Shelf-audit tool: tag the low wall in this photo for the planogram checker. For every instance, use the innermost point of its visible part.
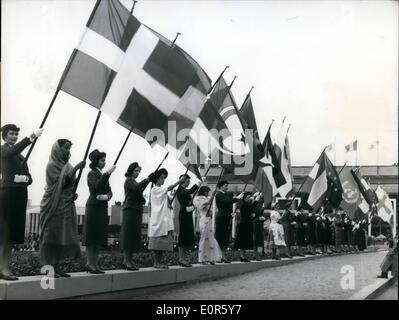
(82, 284)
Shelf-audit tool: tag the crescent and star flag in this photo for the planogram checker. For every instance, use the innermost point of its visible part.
(353, 201)
(384, 206)
(367, 192)
(323, 185)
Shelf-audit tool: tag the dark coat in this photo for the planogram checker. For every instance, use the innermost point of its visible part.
(224, 203)
(244, 238)
(134, 193)
(288, 220)
(12, 164)
(98, 184)
(186, 224)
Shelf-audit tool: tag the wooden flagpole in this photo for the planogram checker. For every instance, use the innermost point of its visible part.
(87, 150)
(42, 124)
(134, 4)
(123, 147)
(214, 193)
(174, 41)
(174, 195)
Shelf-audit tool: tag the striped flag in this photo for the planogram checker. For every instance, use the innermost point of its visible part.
(351, 147)
(283, 155)
(367, 192)
(384, 206)
(323, 185)
(352, 200)
(132, 74)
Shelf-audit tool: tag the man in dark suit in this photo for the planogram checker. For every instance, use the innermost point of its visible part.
(224, 203)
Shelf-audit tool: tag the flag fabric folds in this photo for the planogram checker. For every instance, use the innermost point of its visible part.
(351, 147)
(367, 192)
(282, 151)
(132, 74)
(353, 201)
(384, 206)
(323, 186)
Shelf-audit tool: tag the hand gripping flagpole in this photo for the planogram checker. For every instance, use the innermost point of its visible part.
(214, 193)
(202, 182)
(174, 195)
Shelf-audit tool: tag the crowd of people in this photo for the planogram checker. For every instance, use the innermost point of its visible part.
(288, 232)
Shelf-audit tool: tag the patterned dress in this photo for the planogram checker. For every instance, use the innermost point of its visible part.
(208, 249)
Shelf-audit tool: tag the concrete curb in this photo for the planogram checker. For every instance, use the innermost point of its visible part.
(117, 281)
(373, 290)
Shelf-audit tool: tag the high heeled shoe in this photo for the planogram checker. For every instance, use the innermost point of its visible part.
(93, 271)
(131, 268)
(183, 264)
(8, 277)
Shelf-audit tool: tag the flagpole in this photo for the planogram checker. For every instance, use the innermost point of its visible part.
(220, 76)
(357, 147)
(174, 195)
(123, 147)
(87, 150)
(289, 126)
(202, 182)
(173, 43)
(134, 4)
(42, 125)
(246, 97)
(335, 151)
(342, 168)
(214, 193)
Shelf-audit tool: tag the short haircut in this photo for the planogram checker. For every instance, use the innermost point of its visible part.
(221, 183)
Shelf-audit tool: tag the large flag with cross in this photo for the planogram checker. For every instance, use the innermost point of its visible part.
(134, 75)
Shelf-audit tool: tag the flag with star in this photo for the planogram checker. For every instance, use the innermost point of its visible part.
(322, 186)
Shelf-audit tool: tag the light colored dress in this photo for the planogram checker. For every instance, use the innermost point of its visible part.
(208, 249)
(160, 226)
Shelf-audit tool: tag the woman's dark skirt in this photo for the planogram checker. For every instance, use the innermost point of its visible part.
(222, 232)
(338, 236)
(244, 239)
(131, 237)
(186, 229)
(95, 227)
(13, 214)
(259, 237)
(301, 241)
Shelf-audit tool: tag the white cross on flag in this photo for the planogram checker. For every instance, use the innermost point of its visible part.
(384, 206)
(132, 74)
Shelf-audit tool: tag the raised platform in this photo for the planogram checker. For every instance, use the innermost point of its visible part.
(116, 282)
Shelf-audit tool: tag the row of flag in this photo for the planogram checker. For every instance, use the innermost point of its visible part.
(144, 82)
(354, 145)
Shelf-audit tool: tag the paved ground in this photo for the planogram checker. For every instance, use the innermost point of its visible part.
(390, 294)
(317, 279)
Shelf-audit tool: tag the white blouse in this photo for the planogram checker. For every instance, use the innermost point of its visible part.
(161, 218)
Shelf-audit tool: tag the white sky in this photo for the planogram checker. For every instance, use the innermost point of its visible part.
(330, 67)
